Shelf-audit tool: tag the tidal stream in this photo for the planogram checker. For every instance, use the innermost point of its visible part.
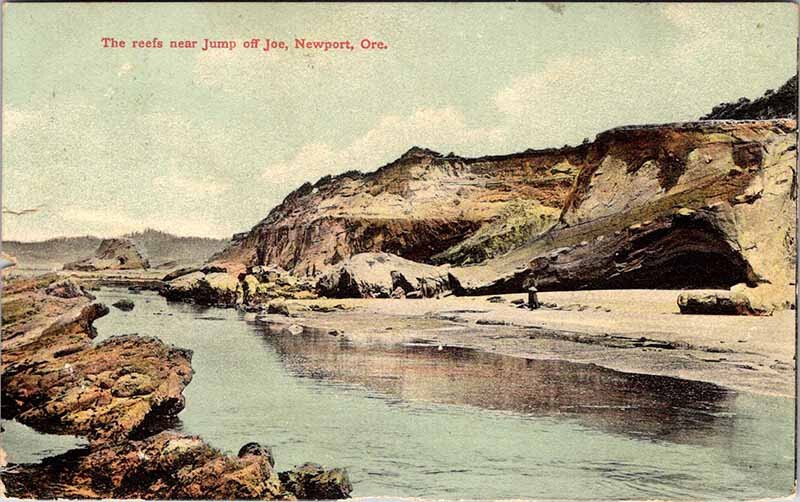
(444, 422)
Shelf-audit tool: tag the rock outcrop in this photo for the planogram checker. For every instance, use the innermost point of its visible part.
(379, 275)
(774, 104)
(113, 254)
(124, 304)
(216, 288)
(415, 207)
(121, 394)
(66, 288)
(171, 466)
(55, 380)
(254, 286)
(312, 482)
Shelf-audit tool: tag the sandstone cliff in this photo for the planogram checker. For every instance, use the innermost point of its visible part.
(701, 204)
(704, 204)
(415, 207)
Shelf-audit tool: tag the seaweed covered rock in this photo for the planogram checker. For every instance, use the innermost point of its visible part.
(312, 482)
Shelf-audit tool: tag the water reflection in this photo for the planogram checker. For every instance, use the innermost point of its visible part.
(644, 406)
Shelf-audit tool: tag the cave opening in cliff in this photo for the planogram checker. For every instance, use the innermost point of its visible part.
(686, 255)
(693, 270)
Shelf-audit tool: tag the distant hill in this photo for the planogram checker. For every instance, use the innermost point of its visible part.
(772, 105)
(160, 247)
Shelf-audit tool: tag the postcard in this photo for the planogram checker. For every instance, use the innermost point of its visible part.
(437, 251)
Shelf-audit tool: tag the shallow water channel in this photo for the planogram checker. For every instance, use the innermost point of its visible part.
(444, 422)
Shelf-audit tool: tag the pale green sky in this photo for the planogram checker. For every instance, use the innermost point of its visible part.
(206, 143)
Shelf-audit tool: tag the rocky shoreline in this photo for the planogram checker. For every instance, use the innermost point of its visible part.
(120, 394)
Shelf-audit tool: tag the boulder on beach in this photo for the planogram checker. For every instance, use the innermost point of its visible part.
(213, 285)
(718, 303)
(113, 254)
(379, 275)
(261, 284)
(278, 307)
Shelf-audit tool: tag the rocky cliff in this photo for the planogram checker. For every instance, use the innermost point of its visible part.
(703, 204)
(416, 207)
(700, 204)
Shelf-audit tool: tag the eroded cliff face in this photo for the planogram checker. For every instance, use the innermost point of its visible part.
(691, 205)
(419, 206)
(703, 204)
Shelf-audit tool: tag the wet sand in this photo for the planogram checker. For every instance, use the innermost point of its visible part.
(637, 331)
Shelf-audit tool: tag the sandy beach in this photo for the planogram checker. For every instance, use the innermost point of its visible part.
(627, 330)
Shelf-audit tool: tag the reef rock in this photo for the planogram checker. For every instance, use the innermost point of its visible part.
(313, 482)
(165, 466)
(119, 393)
(65, 289)
(113, 254)
(55, 380)
(253, 287)
(378, 275)
(172, 466)
(124, 304)
(259, 450)
(215, 288)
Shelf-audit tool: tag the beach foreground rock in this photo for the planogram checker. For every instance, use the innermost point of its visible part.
(55, 380)
(172, 466)
(121, 394)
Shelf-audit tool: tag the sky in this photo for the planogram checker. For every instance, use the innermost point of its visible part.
(106, 141)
